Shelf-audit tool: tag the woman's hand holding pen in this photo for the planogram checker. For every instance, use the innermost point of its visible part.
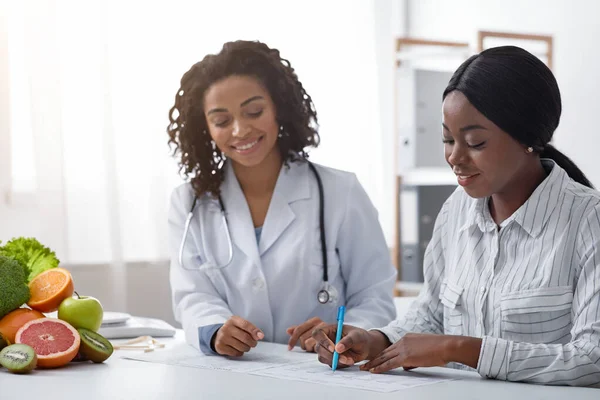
(356, 344)
(412, 351)
(236, 337)
(303, 334)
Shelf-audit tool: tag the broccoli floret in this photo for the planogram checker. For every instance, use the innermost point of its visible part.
(31, 254)
(14, 291)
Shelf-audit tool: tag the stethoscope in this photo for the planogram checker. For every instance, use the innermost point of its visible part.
(327, 294)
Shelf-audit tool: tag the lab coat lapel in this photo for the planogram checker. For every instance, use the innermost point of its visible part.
(238, 216)
(292, 185)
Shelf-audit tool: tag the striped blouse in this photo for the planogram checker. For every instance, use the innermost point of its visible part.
(529, 288)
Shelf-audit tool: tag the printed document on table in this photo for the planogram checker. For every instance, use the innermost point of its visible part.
(275, 361)
(353, 377)
(264, 355)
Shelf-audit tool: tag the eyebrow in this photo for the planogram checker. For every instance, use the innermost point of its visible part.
(467, 128)
(243, 103)
(251, 99)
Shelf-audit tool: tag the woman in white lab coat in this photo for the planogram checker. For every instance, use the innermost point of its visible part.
(240, 125)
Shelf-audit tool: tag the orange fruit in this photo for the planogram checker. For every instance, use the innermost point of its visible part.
(49, 289)
(11, 322)
(55, 342)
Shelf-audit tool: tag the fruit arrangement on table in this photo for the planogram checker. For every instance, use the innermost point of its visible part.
(33, 284)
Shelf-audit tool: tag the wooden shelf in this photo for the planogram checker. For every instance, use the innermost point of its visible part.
(482, 35)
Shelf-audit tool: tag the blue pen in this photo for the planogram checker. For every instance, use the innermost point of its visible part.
(338, 336)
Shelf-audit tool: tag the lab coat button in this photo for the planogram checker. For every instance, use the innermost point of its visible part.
(482, 289)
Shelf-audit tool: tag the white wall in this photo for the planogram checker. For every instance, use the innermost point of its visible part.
(98, 186)
(389, 24)
(574, 26)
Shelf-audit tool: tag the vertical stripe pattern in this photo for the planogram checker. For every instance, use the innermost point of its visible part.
(528, 288)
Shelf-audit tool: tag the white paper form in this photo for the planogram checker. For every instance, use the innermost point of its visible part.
(275, 361)
(265, 355)
(352, 377)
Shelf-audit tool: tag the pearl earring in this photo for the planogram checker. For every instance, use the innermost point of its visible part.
(530, 149)
(280, 131)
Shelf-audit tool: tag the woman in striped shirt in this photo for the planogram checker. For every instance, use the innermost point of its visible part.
(512, 273)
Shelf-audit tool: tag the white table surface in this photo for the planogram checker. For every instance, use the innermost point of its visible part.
(126, 379)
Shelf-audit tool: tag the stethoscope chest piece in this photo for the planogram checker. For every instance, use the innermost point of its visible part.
(328, 294)
(323, 296)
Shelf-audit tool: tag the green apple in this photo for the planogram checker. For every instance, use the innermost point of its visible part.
(81, 312)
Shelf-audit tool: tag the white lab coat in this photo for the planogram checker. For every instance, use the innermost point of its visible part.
(274, 284)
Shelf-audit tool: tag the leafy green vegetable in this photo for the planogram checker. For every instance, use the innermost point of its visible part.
(14, 291)
(33, 256)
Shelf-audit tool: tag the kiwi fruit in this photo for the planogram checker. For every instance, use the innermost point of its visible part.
(18, 358)
(3, 341)
(94, 346)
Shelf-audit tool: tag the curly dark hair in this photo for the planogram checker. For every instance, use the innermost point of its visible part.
(188, 130)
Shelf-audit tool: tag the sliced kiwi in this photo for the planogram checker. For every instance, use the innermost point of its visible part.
(3, 341)
(94, 346)
(18, 358)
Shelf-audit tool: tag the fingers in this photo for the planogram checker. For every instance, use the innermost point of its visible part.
(309, 341)
(377, 360)
(247, 326)
(243, 337)
(347, 342)
(300, 330)
(236, 337)
(228, 351)
(388, 365)
(325, 357)
(305, 336)
(387, 360)
(343, 362)
(310, 344)
(227, 342)
(290, 330)
(323, 345)
(324, 348)
(321, 336)
(237, 344)
(226, 345)
(325, 360)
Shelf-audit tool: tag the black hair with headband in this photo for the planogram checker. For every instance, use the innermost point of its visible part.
(516, 91)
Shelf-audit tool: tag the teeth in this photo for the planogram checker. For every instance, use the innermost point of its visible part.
(465, 176)
(247, 146)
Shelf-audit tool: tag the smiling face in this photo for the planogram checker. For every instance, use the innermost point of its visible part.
(486, 159)
(242, 120)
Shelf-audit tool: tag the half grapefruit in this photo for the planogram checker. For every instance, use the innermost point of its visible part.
(55, 342)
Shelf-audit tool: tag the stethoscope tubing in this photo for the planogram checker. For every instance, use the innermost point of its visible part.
(323, 296)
